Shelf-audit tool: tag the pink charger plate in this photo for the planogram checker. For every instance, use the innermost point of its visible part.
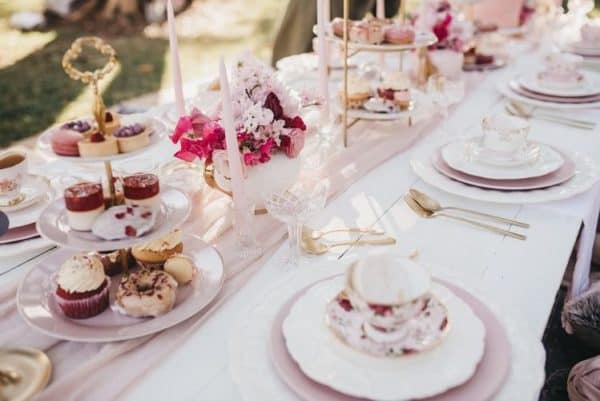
(489, 376)
(518, 89)
(564, 173)
(19, 234)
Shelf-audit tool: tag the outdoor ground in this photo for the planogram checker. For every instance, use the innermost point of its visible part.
(35, 92)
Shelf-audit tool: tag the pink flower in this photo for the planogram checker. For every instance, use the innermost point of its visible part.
(251, 159)
(292, 143)
(198, 120)
(184, 125)
(272, 103)
(295, 122)
(440, 29)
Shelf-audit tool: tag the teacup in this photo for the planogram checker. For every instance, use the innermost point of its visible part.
(13, 168)
(504, 134)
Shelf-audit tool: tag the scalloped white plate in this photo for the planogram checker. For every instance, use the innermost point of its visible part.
(326, 360)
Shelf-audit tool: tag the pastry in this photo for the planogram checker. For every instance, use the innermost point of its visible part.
(387, 309)
(65, 138)
(84, 203)
(366, 32)
(146, 293)
(142, 189)
(153, 254)
(124, 221)
(98, 145)
(132, 137)
(112, 122)
(181, 267)
(82, 287)
(399, 34)
(337, 26)
(396, 89)
(473, 57)
(359, 92)
(113, 261)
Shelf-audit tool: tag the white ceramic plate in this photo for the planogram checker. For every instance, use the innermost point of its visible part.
(36, 304)
(457, 156)
(174, 210)
(326, 360)
(589, 87)
(504, 89)
(31, 214)
(421, 105)
(586, 175)
(33, 189)
(301, 63)
(422, 39)
(159, 132)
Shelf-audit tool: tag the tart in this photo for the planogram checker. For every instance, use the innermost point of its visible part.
(399, 34)
(82, 287)
(395, 88)
(146, 293)
(142, 189)
(181, 267)
(359, 91)
(98, 145)
(154, 254)
(84, 203)
(65, 139)
(132, 137)
(124, 221)
(112, 122)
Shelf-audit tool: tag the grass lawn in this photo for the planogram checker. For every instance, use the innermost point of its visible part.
(35, 92)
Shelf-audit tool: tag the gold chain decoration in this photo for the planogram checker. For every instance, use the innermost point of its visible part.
(91, 77)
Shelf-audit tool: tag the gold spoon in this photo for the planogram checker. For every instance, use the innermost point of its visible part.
(318, 248)
(317, 234)
(430, 204)
(418, 209)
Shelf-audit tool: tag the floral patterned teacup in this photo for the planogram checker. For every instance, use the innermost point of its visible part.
(504, 134)
(13, 168)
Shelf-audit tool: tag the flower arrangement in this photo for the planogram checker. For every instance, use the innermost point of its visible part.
(452, 30)
(266, 119)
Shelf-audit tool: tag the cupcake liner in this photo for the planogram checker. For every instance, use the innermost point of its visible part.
(85, 308)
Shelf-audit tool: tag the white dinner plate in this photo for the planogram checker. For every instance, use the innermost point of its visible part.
(504, 89)
(36, 303)
(327, 360)
(457, 155)
(159, 132)
(175, 208)
(589, 87)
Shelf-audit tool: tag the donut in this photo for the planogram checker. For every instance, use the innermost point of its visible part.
(146, 293)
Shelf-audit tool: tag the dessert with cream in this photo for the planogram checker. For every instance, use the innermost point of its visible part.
(367, 32)
(132, 137)
(474, 56)
(65, 139)
(395, 88)
(113, 262)
(561, 71)
(124, 221)
(153, 254)
(146, 293)
(181, 267)
(359, 91)
(98, 145)
(142, 189)
(84, 203)
(387, 309)
(82, 288)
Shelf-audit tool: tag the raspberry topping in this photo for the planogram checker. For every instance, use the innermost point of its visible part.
(146, 215)
(130, 231)
(97, 137)
(120, 216)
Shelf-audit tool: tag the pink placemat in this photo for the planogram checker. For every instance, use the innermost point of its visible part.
(563, 174)
(517, 88)
(19, 234)
(489, 376)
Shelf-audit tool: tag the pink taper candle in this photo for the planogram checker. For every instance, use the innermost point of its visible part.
(177, 85)
(240, 204)
(380, 13)
(323, 61)
(327, 10)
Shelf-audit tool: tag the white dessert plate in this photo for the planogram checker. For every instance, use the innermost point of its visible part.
(36, 303)
(325, 359)
(175, 208)
(159, 132)
(32, 212)
(304, 62)
(589, 87)
(458, 156)
(505, 89)
(33, 189)
(422, 39)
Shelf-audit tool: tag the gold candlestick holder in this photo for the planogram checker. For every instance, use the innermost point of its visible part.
(92, 78)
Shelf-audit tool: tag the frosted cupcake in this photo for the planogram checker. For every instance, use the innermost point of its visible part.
(396, 88)
(82, 287)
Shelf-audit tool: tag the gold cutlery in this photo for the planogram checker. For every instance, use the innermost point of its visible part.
(519, 110)
(431, 205)
(429, 214)
(317, 234)
(318, 248)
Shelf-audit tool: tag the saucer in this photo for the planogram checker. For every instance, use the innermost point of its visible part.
(32, 190)
(30, 214)
(589, 86)
(528, 154)
(456, 155)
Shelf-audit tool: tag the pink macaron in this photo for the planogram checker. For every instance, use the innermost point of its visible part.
(64, 142)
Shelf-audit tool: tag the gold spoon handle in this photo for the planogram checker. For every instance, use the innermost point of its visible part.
(489, 216)
(485, 226)
(383, 241)
(373, 231)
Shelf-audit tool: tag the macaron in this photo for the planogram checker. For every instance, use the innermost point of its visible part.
(64, 142)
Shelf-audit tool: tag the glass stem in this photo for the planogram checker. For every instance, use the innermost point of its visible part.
(294, 233)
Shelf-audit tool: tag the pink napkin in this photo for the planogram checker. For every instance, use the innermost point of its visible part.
(504, 13)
